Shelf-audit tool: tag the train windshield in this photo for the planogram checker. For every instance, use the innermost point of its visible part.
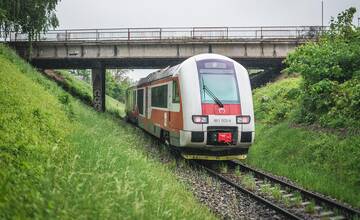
(218, 82)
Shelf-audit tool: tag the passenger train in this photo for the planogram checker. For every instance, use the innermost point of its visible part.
(203, 106)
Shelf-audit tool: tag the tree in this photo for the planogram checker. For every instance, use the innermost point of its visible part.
(83, 74)
(117, 82)
(31, 17)
(330, 69)
(343, 27)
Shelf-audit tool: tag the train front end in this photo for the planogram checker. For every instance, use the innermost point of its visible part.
(217, 108)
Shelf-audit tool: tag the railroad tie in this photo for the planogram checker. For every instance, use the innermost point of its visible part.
(326, 214)
(305, 203)
(339, 217)
(287, 195)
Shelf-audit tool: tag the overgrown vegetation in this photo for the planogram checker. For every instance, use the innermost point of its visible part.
(248, 181)
(331, 76)
(307, 125)
(318, 159)
(82, 90)
(59, 159)
(117, 81)
(278, 101)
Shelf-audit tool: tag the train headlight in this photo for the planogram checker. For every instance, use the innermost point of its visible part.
(200, 119)
(243, 119)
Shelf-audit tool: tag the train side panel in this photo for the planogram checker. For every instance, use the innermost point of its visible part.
(159, 116)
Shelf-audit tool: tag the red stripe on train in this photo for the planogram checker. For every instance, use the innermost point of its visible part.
(214, 109)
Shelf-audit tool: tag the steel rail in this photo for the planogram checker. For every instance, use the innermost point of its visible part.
(266, 202)
(345, 210)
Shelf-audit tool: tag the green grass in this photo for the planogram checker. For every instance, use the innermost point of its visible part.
(83, 91)
(266, 189)
(249, 181)
(59, 159)
(276, 192)
(223, 168)
(277, 101)
(114, 107)
(319, 160)
(237, 171)
(310, 208)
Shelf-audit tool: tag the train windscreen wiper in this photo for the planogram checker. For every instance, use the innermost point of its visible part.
(217, 101)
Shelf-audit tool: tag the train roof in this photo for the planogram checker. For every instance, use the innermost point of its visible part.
(170, 71)
(159, 74)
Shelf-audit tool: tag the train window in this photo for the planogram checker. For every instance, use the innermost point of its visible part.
(133, 99)
(217, 65)
(218, 80)
(140, 101)
(222, 86)
(159, 96)
(175, 92)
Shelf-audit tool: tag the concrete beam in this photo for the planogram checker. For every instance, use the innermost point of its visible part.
(98, 82)
(140, 63)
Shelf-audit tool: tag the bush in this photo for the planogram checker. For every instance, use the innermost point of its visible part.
(330, 70)
(277, 101)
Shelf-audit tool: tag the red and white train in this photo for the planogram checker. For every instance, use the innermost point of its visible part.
(203, 106)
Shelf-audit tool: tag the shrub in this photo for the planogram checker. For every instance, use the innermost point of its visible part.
(330, 70)
(276, 101)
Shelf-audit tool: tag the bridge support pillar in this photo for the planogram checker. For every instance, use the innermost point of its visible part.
(98, 83)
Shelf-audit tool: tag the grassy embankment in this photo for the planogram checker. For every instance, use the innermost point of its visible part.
(60, 159)
(83, 91)
(319, 159)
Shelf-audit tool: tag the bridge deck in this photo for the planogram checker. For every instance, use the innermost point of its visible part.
(160, 47)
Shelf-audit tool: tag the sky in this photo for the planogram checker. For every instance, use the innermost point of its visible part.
(188, 13)
(194, 13)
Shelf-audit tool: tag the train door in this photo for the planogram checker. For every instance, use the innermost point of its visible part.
(174, 104)
(148, 104)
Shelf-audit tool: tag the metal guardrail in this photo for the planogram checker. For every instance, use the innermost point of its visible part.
(181, 33)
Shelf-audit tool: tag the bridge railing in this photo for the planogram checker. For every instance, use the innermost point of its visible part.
(195, 33)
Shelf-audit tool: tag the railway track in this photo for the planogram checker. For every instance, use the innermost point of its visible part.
(324, 208)
(287, 199)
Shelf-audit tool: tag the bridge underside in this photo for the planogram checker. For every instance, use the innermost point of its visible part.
(153, 54)
(139, 63)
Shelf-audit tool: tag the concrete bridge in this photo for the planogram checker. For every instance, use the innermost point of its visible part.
(98, 49)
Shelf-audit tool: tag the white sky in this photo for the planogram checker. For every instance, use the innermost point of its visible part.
(190, 13)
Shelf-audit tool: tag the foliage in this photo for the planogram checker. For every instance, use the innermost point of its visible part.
(331, 71)
(310, 208)
(83, 91)
(32, 17)
(276, 101)
(74, 86)
(117, 82)
(223, 168)
(276, 192)
(56, 165)
(82, 74)
(249, 181)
